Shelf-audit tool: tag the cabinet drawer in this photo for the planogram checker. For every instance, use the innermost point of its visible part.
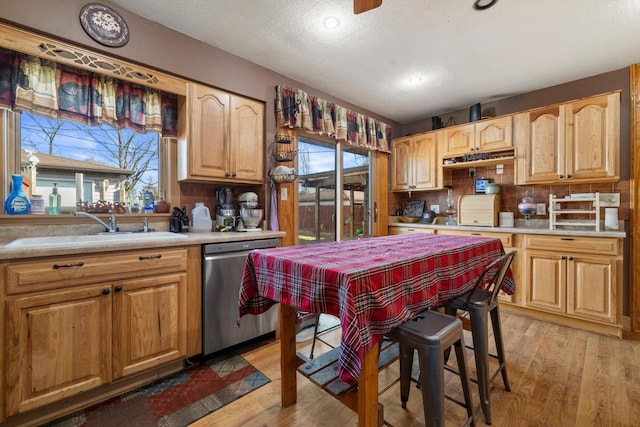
(591, 245)
(506, 238)
(405, 230)
(72, 270)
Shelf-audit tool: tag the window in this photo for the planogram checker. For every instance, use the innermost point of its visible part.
(90, 164)
(322, 168)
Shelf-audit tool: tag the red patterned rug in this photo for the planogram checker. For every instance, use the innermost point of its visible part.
(177, 400)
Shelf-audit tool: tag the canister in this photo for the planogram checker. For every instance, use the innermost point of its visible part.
(37, 204)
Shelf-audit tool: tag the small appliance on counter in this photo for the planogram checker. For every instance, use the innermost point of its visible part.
(225, 212)
(250, 215)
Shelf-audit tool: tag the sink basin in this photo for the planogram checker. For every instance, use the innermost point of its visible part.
(123, 237)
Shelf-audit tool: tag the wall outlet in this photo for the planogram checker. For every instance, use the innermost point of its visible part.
(435, 208)
(284, 194)
(541, 209)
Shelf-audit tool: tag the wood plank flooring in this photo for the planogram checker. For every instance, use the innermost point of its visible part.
(559, 377)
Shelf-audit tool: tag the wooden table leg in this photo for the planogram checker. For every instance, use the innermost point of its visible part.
(288, 358)
(368, 391)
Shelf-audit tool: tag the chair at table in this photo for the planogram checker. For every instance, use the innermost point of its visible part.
(478, 302)
(432, 333)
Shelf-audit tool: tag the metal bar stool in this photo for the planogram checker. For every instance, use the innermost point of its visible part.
(480, 301)
(432, 333)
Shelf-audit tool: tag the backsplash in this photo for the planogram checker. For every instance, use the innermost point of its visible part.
(510, 194)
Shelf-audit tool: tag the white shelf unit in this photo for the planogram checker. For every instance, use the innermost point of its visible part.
(556, 210)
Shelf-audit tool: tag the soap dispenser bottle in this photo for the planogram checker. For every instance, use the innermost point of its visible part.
(54, 201)
(17, 203)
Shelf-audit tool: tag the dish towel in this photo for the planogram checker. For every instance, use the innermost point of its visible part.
(273, 219)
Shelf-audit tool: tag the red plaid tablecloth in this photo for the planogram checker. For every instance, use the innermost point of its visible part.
(372, 285)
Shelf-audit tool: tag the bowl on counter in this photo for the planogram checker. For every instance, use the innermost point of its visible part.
(405, 218)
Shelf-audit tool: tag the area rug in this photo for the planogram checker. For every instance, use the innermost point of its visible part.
(177, 400)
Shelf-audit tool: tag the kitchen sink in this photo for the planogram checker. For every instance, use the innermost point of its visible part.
(122, 237)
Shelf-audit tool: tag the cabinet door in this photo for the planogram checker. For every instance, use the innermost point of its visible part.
(58, 345)
(401, 165)
(593, 137)
(247, 140)
(208, 144)
(496, 134)
(546, 281)
(459, 140)
(591, 291)
(423, 161)
(149, 323)
(543, 137)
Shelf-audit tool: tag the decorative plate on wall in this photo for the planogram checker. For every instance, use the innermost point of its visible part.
(104, 25)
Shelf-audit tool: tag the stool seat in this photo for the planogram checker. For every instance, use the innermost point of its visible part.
(432, 333)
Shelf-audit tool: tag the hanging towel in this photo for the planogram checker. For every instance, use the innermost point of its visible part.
(273, 219)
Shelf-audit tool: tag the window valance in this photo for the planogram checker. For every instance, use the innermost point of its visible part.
(296, 109)
(29, 83)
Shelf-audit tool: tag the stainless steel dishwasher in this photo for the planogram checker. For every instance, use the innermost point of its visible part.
(222, 268)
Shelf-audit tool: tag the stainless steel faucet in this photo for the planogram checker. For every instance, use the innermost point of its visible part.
(145, 224)
(111, 227)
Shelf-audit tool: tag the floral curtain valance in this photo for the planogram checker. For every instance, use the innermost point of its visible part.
(28, 83)
(296, 109)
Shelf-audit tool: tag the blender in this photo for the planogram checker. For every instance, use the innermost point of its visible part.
(225, 213)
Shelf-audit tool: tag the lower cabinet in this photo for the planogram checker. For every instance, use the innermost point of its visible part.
(578, 278)
(78, 336)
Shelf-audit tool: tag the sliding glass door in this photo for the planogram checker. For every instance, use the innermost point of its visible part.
(332, 175)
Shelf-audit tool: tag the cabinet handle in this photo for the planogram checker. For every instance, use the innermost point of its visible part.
(566, 238)
(570, 258)
(118, 288)
(234, 174)
(227, 174)
(375, 211)
(563, 257)
(143, 257)
(475, 234)
(106, 292)
(569, 176)
(561, 176)
(77, 264)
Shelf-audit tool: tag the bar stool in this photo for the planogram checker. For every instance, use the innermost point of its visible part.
(432, 333)
(478, 302)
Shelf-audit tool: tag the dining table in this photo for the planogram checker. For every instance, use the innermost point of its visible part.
(371, 284)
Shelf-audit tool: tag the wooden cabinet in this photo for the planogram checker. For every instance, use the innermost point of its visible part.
(482, 136)
(510, 242)
(576, 141)
(407, 230)
(80, 323)
(415, 166)
(223, 138)
(576, 277)
(58, 344)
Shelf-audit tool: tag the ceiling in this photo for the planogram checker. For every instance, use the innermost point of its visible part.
(462, 56)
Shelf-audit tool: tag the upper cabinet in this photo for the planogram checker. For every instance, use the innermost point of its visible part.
(415, 165)
(482, 136)
(223, 138)
(576, 141)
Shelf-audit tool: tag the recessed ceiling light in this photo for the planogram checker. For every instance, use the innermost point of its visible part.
(415, 80)
(331, 22)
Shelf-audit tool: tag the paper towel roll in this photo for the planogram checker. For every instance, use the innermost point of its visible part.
(610, 218)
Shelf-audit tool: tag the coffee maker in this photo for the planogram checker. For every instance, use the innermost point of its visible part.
(225, 212)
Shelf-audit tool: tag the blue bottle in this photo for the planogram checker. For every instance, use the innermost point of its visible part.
(17, 203)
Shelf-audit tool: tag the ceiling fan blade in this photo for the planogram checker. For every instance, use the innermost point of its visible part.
(360, 6)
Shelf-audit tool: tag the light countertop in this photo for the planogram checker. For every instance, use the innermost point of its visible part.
(534, 227)
(102, 245)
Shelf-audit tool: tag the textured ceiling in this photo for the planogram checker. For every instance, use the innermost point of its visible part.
(463, 56)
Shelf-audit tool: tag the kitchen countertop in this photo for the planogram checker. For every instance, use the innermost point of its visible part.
(534, 227)
(150, 242)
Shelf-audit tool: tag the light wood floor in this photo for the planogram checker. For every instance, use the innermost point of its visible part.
(559, 377)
